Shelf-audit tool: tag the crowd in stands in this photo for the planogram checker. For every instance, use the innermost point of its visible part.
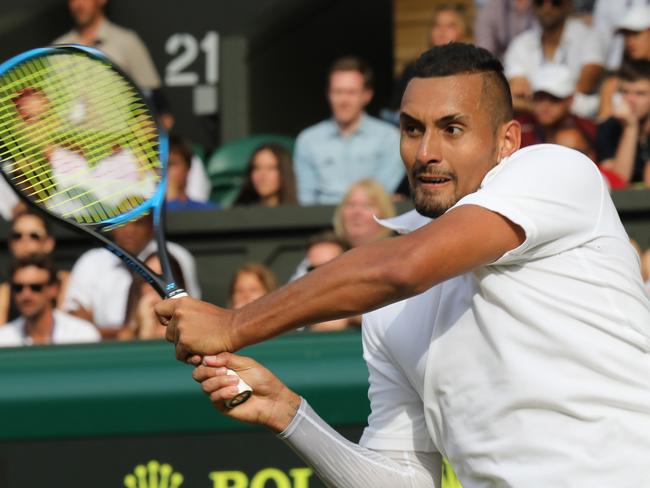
(582, 81)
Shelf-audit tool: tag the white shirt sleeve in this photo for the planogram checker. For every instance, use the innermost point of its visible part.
(81, 284)
(344, 464)
(396, 420)
(553, 193)
(517, 58)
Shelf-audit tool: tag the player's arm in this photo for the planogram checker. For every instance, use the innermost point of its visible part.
(360, 280)
(337, 461)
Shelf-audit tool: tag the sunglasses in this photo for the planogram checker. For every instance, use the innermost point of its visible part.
(554, 3)
(34, 236)
(35, 287)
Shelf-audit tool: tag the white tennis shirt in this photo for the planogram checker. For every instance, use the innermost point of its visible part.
(533, 371)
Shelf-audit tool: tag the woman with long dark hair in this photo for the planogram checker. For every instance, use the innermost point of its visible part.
(269, 179)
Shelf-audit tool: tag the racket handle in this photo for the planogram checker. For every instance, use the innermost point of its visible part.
(244, 391)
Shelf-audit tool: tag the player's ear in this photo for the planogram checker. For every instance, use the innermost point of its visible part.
(509, 139)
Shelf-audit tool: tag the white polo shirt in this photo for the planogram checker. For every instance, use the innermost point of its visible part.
(100, 281)
(67, 330)
(579, 45)
(536, 372)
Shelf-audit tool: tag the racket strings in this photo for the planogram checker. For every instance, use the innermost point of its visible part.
(93, 151)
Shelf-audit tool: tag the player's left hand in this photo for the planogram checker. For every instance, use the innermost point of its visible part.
(197, 328)
(272, 404)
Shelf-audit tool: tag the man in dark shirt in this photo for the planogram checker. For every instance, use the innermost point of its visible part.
(624, 139)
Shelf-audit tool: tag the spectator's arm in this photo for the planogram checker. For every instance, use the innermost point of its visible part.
(623, 160)
(589, 77)
(306, 177)
(646, 174)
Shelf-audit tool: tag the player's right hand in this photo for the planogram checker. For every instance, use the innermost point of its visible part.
(272, 404)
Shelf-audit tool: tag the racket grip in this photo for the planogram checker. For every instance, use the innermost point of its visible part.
(244, 391)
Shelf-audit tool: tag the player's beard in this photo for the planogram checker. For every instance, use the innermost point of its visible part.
(428, 202)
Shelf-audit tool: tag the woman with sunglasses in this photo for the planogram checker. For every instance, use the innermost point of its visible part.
(30, 234)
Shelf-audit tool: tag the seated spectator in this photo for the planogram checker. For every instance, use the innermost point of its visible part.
(35, 288)
(499, 21)
(607, 16)
(351, 145)
(354, 218)
(553, 89)
(623, 141)
(250, 282)
(178, 170)
(141, 321)
(30, 234)
(100, 281)
(448, 24)
(9, 203)
(555, 39)
(645, 268)
(269, 179)
(635, 31)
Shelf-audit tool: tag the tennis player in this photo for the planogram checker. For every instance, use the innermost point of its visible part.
(523, 355)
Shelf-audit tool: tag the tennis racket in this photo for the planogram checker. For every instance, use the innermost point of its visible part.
(79, 142)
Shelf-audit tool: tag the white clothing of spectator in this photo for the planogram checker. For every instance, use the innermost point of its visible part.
(100, 281)
(198, 184)
(67, 330)
(8, 200)
(606, 18)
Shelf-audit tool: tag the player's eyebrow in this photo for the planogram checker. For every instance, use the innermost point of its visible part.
(451, 119)
(405, 118)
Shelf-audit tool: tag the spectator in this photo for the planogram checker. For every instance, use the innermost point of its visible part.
(354, 218)
(645, 268)
(8, 201)
(606, 18)
(623, 141)
(634, 28)
(269, 179)
(30, 234)
(553, 90)
(35, 288)
(351, 145)
(178, 170)
(121, 45)
(250, 282)
(560, 40)
(499, 21)
(141, 321)
(100, 281)
(448, 24)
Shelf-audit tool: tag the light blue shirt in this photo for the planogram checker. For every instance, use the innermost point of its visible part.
(328, 163)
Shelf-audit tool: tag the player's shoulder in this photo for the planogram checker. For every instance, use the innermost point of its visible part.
(559, 162)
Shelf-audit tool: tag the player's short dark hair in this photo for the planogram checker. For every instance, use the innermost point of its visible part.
(179, 145)
(40, 261)
(634, 70)
(353, 63)
(457, 58)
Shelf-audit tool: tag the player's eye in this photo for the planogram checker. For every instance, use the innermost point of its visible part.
(411, 130)
(453, 130)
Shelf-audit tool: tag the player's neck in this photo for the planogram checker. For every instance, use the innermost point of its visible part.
(40, 327)
(88, 32)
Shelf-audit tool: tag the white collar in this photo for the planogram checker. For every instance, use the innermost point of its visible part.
(405, 223)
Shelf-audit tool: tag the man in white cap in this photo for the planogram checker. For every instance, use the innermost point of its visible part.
(554, 86)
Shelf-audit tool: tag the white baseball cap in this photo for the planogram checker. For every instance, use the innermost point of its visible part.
(555, 79)
(636, 19)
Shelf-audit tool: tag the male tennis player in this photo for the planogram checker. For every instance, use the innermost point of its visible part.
(528, 361)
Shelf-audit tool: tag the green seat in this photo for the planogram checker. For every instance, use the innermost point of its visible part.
(226, 166)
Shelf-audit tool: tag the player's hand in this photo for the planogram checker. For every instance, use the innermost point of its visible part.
(196, 328)
(272, 404)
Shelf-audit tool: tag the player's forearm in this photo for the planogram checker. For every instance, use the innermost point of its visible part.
(371, 276)
(362, 279)
(344, 464)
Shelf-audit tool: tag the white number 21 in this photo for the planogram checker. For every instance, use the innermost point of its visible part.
(185, 49)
